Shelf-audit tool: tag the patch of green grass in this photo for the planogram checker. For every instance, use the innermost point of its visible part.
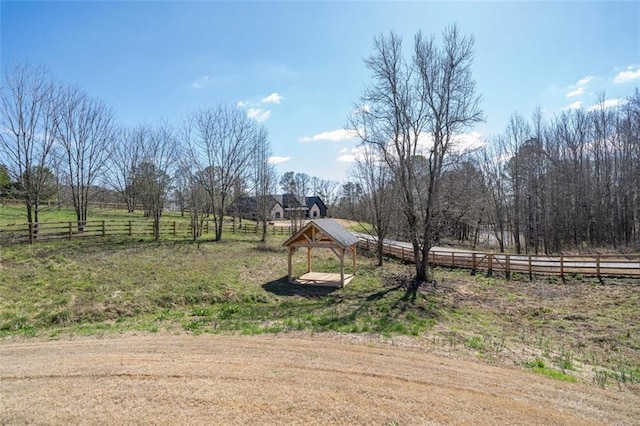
(539, 366)
(476, 343)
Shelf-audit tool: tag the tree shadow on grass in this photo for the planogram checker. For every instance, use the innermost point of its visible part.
(282, 287)
(382, 293)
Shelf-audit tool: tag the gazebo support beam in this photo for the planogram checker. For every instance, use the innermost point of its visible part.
(289, 262)
(353, 257)
(342, 268)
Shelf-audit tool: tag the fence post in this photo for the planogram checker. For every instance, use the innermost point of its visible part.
(561, 266)
(508, 267)
(453, 259)
(130, 230)
(530, 269)
(598, 266)
(174, 228)
(489, 264)
(473, 263)
(30, 232)
(70, 230)
(104, 228)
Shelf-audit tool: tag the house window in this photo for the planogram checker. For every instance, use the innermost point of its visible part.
(315, 213)
(277, 215)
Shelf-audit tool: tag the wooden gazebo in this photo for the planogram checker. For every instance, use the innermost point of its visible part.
(323, 233)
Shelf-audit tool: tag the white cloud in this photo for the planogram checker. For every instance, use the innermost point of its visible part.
(353, 154)
(274, 98)
(255, 110)
(347, 158)
(627, 76)
(258, 114)
(332, 136)
(578, 88)
(609, 103)
(362, 108)
(584, 81)
(202, 81)
(579, 91)
(468, 141)
(278, 159)
(574, 105)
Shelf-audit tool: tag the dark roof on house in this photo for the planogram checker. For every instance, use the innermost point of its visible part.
(313, 200)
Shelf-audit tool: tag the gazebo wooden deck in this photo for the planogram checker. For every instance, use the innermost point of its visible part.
(323, 233)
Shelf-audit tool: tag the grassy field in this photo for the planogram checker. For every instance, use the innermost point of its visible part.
(573, 330)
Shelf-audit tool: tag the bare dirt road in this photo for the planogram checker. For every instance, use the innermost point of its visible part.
(210, 379)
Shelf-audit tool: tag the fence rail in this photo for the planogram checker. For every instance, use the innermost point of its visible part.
(588, 265)
(49, 231)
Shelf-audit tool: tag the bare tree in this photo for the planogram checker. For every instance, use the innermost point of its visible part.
(221, 144)
(264, 179)
(28, 123)
(156, 170)
(328, 190)
(86, 133)
(288, 183)
(518, 132)
(492, 168)
(412, 113)
(374, 177)
(303, 185)
(126, 152)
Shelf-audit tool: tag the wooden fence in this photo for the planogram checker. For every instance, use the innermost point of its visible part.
(591, 265)
(588, 265)
(49, 231)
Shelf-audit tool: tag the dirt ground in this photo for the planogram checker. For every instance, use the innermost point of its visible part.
(213, 379)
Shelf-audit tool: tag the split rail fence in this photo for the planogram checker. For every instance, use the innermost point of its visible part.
(587, 265)
(49, 231)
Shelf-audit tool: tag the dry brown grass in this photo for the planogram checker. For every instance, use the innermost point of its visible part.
(301, 379)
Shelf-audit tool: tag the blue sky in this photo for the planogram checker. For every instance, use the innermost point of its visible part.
(297, 66)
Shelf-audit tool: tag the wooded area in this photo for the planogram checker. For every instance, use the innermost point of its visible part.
(566, 183)
(550, 184)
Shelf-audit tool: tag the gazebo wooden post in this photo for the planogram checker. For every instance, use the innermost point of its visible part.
(342, 267)
(289, 263)
(353, 257)
(308, 258)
